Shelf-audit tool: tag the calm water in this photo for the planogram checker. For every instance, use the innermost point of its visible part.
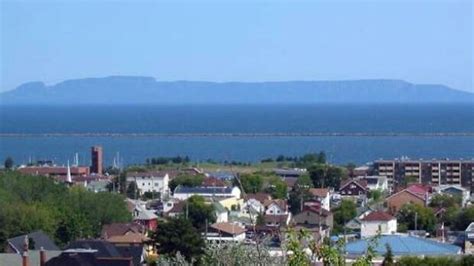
(345, 119)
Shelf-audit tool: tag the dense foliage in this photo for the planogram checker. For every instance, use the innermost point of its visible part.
(416, 217)
(177, 235)
(186, 180)
(345, 212)
(324, 175)
(200, 213)
(167, 160)
(251, 183)
(32, 203)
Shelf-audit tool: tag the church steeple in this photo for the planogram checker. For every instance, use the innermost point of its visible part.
(68, 176)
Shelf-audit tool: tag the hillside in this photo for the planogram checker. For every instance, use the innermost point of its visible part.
(146, 90)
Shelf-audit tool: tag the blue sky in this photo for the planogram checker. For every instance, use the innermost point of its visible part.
(418, 41)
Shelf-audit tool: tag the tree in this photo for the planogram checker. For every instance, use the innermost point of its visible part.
(414, 214)
(445, 201)
(375, 195)
(388, 257)
(304, 181)
(200, 213)
(179, 235)
(251, 183)
(344, 213)
(260, 219)
(464, 218)
(186, 180)
(277, 188)
(8, 163)
(132, 190)
(326, 175)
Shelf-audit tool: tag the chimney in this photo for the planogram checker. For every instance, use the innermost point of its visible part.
(25, 260)
(42, 257)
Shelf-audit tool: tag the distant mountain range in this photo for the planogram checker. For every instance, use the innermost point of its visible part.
(147, 90)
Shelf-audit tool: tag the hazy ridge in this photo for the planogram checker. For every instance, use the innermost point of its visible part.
(147, 90)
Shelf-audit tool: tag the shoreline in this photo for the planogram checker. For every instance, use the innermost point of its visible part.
(217, 134)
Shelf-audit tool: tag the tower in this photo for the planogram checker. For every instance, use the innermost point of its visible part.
(68, 175)
(96, 159)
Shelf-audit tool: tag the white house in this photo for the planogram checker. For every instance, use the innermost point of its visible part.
(378, 221)
(150, 182)
(183, 193)
(225, 232)
(252, 206)
(276, 207)
(322, 195)
(222, 215)
(276, 213)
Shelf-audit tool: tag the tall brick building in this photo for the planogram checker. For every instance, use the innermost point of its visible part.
(97, 159)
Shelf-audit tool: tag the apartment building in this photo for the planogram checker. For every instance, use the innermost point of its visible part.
(436, 172)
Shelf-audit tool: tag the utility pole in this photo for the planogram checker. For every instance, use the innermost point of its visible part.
(416, 221)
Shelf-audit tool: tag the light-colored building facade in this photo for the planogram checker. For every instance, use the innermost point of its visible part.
(378, 222)
(150, 182)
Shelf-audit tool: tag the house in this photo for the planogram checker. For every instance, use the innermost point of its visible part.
(34, 258)
(378, 222)
(36, 241)
(225, 232)
(455, 191)
(353, 188)
(213, 182)
(294, 173)
(222, 215)
(311, 216)
(276, 207)
(99, 252)
(469, 239)
(253, 208)
(290, 182)
(277, 220)
(174, 208)
(375, 182)
(412, 194)
(276, 213)
(260, 196)
(145, 217)
(322, 195)
(98, 185)
(402, 245)
(150, 182)
(124, 233)
(183, 193)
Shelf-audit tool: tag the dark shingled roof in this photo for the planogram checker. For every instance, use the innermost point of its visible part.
(39, 238)
(104, 248)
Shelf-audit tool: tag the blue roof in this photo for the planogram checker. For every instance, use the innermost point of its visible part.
(403, 245)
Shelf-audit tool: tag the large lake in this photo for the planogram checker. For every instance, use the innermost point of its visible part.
(348, 133)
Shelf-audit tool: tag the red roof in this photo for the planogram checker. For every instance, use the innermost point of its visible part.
(260, 196)
(419, 189)
(213, 182)
(319, 192)
(378, 216)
